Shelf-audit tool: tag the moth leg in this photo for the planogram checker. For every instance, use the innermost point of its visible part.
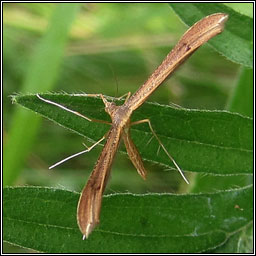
(79, 153)
(162, 146)
(71, 111)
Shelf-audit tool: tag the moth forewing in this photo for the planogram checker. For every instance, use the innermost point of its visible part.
(194, 37)
(89, 205)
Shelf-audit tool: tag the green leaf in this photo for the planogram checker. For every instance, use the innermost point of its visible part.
(45, 219)
(235, 42)
(213, 142)
(41, 75)
(240, 242)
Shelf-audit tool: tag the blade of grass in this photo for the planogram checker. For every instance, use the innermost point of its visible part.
(41, 75)
(241, 99)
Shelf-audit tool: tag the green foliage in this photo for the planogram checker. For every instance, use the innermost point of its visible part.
(213, 142)
(150, 223)
(224, 146)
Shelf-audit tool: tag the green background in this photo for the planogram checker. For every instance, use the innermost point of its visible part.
(111, 49)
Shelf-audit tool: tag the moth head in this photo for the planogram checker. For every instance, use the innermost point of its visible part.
(110, 106)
